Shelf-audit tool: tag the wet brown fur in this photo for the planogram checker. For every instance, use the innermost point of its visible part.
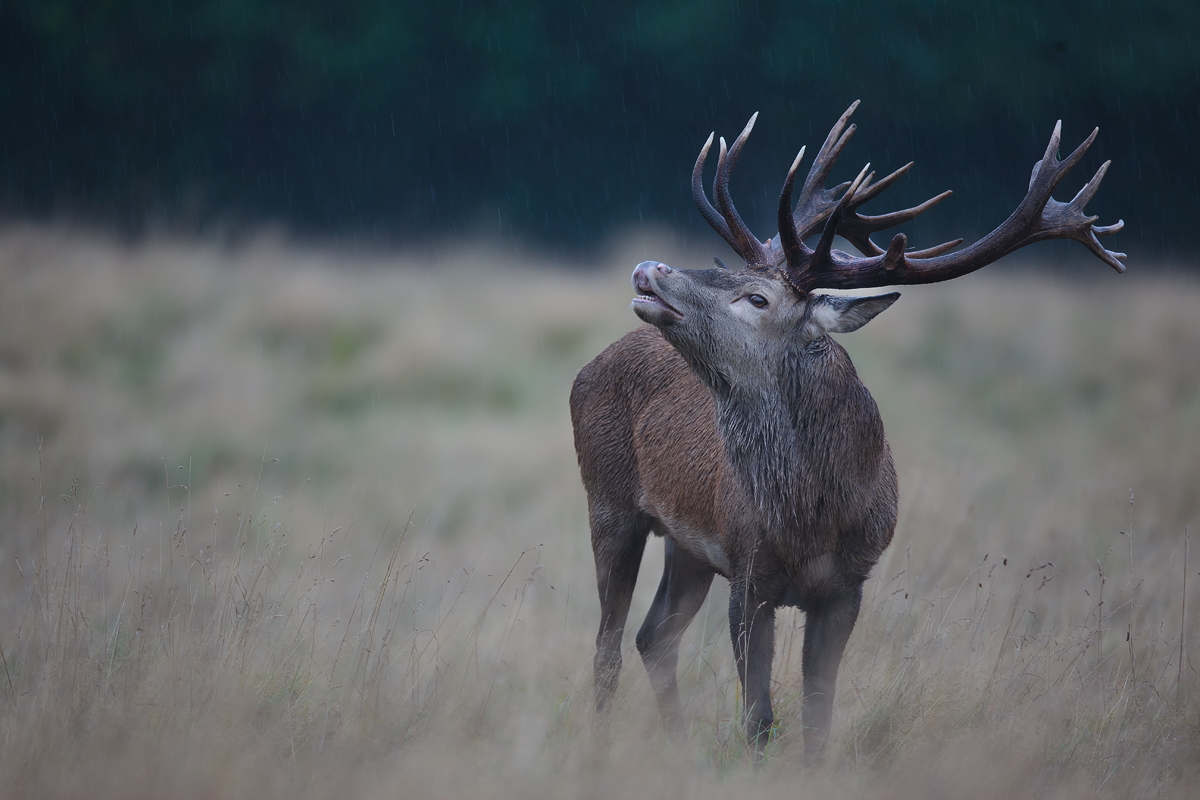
(784, 484)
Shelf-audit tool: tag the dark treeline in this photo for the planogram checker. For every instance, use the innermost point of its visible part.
(561, 122)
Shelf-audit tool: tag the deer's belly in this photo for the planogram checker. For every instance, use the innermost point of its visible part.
(704, 545)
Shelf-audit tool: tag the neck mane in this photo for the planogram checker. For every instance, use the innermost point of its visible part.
(794, 443)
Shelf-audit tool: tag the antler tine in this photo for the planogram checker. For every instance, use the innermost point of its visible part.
(701, 199)
(1038, 217)
(834, 143)
(748, 246)
(789, 238)
(1110, 257)
(1073, 159)
(936, 250)
(1088, 191)
(816, 202)
(1051, 154)
(857, 228)
(894, 218)
(873, 190)
(895, 252)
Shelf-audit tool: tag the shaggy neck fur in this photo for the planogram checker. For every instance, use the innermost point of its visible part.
(797, 446)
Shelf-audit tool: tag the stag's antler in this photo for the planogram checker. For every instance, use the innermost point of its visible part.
(834, 211)
(728, 222)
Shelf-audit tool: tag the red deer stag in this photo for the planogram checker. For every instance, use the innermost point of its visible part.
(734, 427)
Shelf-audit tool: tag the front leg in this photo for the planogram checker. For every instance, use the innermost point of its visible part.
(752, 628)
(827, 628)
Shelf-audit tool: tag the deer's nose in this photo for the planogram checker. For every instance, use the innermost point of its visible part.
(641, 278)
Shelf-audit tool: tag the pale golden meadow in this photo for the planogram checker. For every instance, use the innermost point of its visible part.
(294, 522)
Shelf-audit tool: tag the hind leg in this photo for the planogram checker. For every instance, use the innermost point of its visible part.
(681, 592)
(618, 540)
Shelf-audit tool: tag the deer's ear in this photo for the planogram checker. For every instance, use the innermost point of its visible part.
(828, 313)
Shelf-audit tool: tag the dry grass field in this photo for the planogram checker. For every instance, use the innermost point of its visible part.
(281, 522)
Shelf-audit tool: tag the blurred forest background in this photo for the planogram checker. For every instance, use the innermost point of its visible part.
(558, 124)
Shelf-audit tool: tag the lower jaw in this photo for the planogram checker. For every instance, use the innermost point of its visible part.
(655, 314)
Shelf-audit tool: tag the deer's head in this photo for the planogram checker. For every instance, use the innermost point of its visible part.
(737, 320)
(741, 324)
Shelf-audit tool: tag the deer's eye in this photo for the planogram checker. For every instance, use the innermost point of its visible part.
(758, 300)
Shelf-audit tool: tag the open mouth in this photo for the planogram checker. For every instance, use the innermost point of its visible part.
(645, 298)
